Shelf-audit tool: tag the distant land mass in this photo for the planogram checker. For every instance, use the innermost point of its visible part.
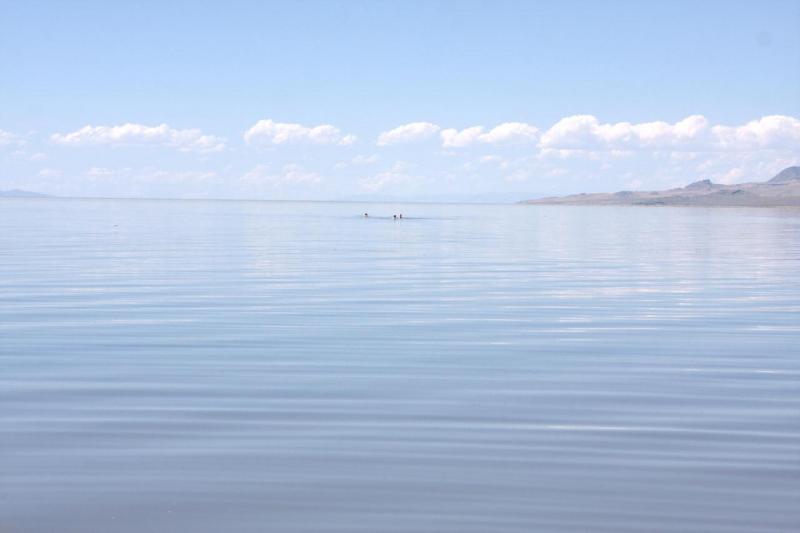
(18, 193)
(781, 191)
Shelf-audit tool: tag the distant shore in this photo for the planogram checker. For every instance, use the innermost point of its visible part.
(783, 190)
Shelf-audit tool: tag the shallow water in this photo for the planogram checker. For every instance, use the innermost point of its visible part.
(192, 366)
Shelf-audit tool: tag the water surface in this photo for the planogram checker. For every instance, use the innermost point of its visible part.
(192, 366)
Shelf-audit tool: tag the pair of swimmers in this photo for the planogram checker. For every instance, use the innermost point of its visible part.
(366, 215)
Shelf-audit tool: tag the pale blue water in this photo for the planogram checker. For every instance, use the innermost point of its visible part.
(198, 367)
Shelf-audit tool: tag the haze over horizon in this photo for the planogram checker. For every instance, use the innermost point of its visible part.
(416, 100)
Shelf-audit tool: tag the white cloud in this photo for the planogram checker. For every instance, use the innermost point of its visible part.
(585, 132)
(414, 131)
(734, 166)
(508, 133)
(774, 131)
(511, 132)
(734, 175)
(453, 138)
(694, 133)
(6, 138)
(270, 132)
(518, 175)
(49, 173)
(100, 172)
(187, 140)
(396, 177)
(565, 153)
(577, 153)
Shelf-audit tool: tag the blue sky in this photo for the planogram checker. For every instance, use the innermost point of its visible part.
(157, 98)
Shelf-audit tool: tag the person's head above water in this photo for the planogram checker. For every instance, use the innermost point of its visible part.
(366, 214)
(395, 217)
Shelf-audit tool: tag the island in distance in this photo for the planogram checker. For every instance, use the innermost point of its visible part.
(782, 190)
(18, 193)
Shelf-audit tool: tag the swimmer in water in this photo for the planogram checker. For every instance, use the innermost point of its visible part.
(395, 217)
(401, 215)
(366, 215)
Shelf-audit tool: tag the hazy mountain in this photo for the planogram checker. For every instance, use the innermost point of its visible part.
(18, 193)
(787, 175)
(782, 190)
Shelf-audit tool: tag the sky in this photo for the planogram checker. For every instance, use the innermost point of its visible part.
(458, 100)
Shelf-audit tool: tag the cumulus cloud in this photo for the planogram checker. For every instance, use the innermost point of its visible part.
(511, 132)
(508, 132)
(415, 131)
(453, 138)
(774, 131)
(586, 132)
(187, 140)
(694, 133)
(271, 132)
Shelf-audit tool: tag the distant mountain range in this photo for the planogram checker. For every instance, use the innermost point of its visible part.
(18, 193)
(782, 190)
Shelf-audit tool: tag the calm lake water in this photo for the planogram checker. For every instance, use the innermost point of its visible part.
(243, 367)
